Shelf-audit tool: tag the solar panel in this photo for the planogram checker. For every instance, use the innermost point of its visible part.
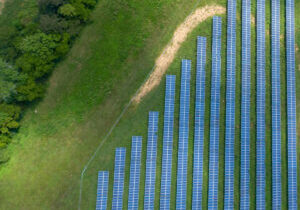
(199, 124)
(230, 106)
(151, 161)
(245, 106)
(260, 107)
(214, 115)
(102, 189)
(276, 127)
(118, 188)
(165, 189)
(183, 134)
(135, 168)
(291, 105)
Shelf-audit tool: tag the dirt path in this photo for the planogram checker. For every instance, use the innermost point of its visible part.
(1, 5)
(167, 56)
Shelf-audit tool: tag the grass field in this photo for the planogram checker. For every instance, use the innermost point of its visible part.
(88, 90)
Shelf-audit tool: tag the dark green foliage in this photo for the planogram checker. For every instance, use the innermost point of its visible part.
(32, 41)
(77, 9)
(67, 10)
(63, 45)
(29, 91)
(10, 78)
(38, 54)
(49, 6)
(9, 116)
(53, 24)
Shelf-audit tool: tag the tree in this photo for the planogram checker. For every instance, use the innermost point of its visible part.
(38, 53)
(10, 78)
(39, 44)
(49, 6)
(29, 91)
(9, 115)
(87, 3)
(77, 8)
(67, 10)
(53, 24)
(64, 45)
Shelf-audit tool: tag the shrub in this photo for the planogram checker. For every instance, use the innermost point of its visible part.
(9, 116)
(10, 78)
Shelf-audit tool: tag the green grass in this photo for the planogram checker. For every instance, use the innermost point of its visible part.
(87, 92)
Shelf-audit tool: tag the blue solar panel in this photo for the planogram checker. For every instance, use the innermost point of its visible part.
(291, 105)
(151, 161)
(165, 189)
(199, 124)
(245, 106)
(260, 107)
(215, 115)
(135, 168)
(118, 188)
(230, 106)
(183, 135)
(276, 124)
(102, 189)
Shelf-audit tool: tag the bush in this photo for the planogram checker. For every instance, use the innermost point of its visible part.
(9, 116)
(29, 91)
(10, 79)
(53, 24)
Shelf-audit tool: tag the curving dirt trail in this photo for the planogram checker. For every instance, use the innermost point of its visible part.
(167, 56)
(1, 5)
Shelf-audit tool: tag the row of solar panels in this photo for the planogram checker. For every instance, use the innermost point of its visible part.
(183, 135)
(213, 176)
(245, 105)
(214, 123)
(291, 105)
(276, 105)
(230, 106)
(260, 107)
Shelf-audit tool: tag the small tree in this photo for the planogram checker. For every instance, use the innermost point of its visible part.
(10, 79)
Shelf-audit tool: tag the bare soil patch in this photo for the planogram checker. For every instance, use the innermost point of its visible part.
(1, 5)
(167, 56)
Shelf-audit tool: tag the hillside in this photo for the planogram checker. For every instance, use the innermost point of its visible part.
(89, 89)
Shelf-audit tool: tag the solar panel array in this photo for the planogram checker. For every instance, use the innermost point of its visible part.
(276, 127)
(199, 124)
(245, 106)
(102, 190)
(230, 106)
(166, 173)
(260, 107)
(151, 161)
(135, 168)
(118, 188)
(215, 115)
(182, 163)
(291, 105)
(183, 135)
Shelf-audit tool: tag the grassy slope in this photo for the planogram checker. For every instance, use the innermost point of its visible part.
(87, 92)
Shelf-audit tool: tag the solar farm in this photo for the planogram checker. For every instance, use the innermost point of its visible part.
(144, 193)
